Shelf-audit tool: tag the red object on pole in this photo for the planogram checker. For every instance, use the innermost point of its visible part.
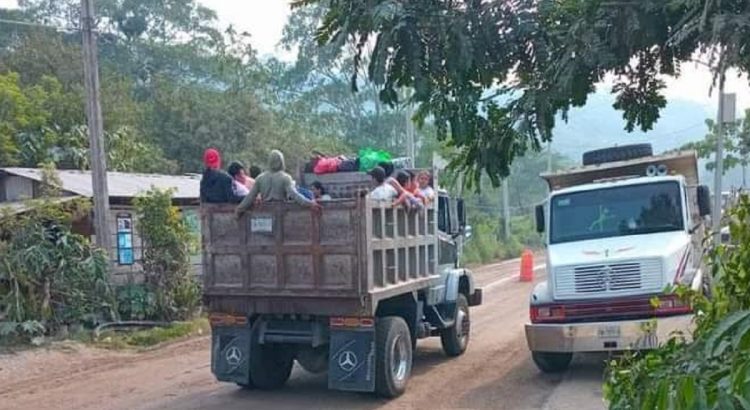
(527, 266)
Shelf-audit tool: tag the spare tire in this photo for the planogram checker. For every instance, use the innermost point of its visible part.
(621, 153)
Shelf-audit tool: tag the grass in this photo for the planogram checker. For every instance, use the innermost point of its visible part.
(146, 338)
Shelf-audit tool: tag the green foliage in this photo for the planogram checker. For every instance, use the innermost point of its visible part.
(494, 76)
(157, 335)
(711, 372)
(315, 91)
(166, 256)
(736, 143)
(50, 276)
(487, 244)
(136, 302)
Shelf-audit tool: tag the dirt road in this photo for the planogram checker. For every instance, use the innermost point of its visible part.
(495, 373)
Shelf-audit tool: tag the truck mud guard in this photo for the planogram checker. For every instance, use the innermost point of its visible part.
(230, 353)
(351, 360)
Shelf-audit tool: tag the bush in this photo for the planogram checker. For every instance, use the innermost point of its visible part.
(713, 371)
(166, 256)
(49, 276)
(136, 302)
(485, 245)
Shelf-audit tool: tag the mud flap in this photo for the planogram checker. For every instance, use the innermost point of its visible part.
(351, 363)
(230, 353)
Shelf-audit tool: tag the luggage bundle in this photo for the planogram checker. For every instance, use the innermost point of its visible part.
(367, 159)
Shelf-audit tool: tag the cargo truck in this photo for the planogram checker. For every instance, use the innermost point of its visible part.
(347, 290)
(620, 232)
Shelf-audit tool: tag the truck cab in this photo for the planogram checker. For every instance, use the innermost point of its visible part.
(618, 234)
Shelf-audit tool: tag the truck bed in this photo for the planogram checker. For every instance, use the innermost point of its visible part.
(284, 259)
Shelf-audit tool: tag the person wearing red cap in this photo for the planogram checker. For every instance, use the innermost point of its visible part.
(216, 185)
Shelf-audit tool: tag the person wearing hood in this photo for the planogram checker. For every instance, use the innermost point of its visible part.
(216, 185)
(274, 185)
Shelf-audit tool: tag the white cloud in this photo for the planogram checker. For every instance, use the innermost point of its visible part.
(263, 19)
(8, 4)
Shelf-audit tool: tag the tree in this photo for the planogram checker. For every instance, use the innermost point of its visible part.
(493, 75)
(315, 91)
(736, 145)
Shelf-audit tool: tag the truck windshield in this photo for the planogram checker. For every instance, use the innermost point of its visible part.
(616, 211)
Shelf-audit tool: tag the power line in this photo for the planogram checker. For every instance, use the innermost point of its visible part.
(32, 24)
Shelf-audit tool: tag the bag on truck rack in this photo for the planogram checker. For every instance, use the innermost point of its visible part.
(327, 165)
(369, 158)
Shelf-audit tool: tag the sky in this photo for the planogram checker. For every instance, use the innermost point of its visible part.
(264, 20)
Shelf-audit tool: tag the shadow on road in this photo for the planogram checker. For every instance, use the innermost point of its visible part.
(525, 387)
(303, 391)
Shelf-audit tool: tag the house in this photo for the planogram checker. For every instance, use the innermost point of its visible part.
(19, 185)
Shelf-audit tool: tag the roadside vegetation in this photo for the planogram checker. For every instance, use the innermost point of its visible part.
(710, 368)
(152, 337)
(51, 279)
(56, 283)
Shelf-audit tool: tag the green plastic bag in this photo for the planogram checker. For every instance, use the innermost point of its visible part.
(369, 158)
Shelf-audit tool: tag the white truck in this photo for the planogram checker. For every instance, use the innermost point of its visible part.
(620, 230)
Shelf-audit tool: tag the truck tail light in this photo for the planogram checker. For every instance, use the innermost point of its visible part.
(552, 313)
(672, 305)
(351, 322)
(223, 319)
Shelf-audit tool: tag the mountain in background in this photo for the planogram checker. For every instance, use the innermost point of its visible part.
(598, 125)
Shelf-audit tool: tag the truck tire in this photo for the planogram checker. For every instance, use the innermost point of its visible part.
(552, 362)
(393, 356)
(270, 366)
(313, 360)
(621, 153)
(455, 339)
(247, 386)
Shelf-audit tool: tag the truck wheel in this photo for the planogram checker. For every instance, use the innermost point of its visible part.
(552, 362)
(455, 339)
(247, 386)
(270, 366)
(313, 360)
(393, 355)
(621, 153)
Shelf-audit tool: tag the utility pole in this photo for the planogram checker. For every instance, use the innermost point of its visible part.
(549, 156)
(95, 127)
(506, 210)
(726, 114)
(410, 149)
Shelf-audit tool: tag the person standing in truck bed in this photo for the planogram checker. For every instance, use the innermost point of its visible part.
(216, 185)
(274, 185)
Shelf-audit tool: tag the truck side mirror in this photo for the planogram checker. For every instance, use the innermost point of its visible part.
(539, 213)
(461, 213)
(704, 200)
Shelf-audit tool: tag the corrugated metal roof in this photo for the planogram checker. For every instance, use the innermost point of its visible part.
(19, 207)
(120, 184)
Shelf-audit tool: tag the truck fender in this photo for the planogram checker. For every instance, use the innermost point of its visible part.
(457, 281)
(541, 294)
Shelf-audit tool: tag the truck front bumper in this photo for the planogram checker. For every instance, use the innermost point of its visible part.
(606, 336)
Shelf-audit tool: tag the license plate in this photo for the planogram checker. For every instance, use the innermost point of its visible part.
(261, 224)
(609, 332)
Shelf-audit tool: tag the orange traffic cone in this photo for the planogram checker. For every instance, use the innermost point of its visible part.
(527, 266)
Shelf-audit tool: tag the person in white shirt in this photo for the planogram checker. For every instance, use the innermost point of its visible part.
(239, 179)
(383, 191)
(425, 187)
(319, 192)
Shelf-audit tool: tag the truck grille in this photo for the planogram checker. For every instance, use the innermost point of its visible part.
(620, 278)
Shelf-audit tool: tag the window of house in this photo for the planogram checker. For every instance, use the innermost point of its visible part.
(125, 239)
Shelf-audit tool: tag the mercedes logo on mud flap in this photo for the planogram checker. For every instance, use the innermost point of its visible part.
(233, 356)
(347, 361)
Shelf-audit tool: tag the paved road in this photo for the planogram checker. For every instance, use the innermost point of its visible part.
(495, 373)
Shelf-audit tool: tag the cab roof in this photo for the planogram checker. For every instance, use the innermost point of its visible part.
(684, 163)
